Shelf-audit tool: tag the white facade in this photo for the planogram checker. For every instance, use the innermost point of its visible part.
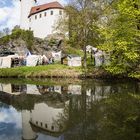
(42, 23)
(49, 118)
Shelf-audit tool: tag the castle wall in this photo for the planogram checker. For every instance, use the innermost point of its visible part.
(46, 117)
(43, 23)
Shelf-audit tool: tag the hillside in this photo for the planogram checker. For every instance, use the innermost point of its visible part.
(21, 41)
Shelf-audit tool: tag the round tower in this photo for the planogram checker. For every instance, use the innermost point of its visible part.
(26, 6)
(27, 132)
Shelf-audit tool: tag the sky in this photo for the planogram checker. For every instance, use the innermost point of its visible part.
(10, 12)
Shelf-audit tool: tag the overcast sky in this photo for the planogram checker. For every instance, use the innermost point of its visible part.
(10, 12)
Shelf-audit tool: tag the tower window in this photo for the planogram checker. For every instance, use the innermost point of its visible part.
(40, 15)
(60, 12)
(35, 16)
(45, 14)
(51, 12)
(30, 28)
(29, 19)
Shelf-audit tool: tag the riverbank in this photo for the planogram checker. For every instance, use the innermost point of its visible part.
(54, 71)
(57, 71)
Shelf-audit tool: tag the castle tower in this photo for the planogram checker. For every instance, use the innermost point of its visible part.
(27, 132)
(26, 6)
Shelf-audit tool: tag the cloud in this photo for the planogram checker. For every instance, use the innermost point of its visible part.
(10, 15)
(10, 12)
(11, 116)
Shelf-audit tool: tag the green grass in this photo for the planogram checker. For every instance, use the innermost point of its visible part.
(56, 70)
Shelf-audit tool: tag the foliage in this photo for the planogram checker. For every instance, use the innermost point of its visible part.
(82, 24)
(121, 117)
(71, 50)
(52, 42)
(122, 37)
(26, 35)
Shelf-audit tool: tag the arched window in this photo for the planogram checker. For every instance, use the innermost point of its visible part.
(35, 16)
(40, 15)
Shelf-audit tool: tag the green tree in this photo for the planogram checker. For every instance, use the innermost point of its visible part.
(81, 24)
(122, 36)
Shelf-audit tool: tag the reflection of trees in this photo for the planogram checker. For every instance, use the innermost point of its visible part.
(107, 114)
(27, 101)
(121, 117)
(2, 105)
(114, 118)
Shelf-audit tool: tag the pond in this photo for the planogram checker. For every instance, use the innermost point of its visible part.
(67, 109)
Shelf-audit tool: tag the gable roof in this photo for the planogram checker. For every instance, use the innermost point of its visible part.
(40, 8)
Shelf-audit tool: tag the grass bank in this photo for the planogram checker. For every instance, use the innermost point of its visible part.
(59, 71)
(56, 70)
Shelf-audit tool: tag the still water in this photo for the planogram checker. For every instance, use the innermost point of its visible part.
(69, 110)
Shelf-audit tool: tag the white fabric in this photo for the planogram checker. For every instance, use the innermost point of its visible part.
(74, 61)
(89, 48)
(5, 62)
(57, 55)
(74, 89)
(106, 58)
(45, 59)
(32, 60)
(98, 58)
(57, 89)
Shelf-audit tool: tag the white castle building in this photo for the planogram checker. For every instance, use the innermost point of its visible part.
(41, 19)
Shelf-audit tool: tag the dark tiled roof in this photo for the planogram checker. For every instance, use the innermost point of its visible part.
(51, 5)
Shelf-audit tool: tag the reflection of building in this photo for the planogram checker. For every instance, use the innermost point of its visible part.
(27, 132)
(32, 89)
(13, 89)
(74, 89)
(47, 89)
(45, 119)
(48, 119)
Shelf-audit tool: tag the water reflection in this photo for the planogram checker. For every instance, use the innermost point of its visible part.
(89, 110)
(44, 119)
(10, 123)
